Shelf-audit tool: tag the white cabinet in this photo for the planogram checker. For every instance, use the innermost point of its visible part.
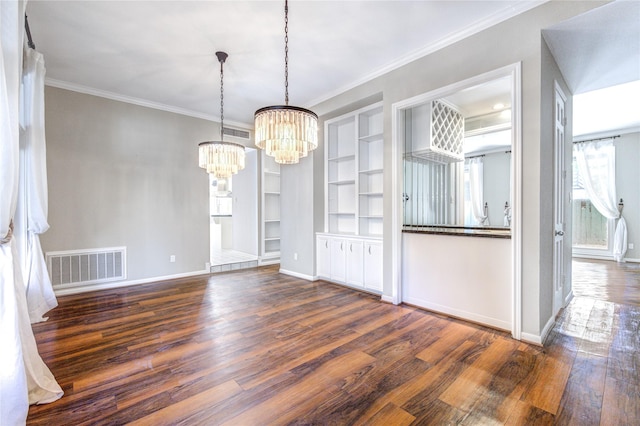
(354, 261)
(323, 256)
(270, 218)
(338, 260)
(354, 172)
(350, 250)
(373, 265)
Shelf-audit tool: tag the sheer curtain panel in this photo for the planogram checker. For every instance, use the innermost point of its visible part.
(476, 187)
(24, 378)
(33, 197)
(596, 163)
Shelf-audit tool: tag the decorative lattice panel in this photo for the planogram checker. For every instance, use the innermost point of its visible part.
(446, 136)
(447, 132)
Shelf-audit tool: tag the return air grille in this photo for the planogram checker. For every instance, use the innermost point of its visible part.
(79, 267)
(237, 133)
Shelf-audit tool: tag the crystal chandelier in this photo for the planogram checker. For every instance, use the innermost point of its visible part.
(219, 158)
(285, 132)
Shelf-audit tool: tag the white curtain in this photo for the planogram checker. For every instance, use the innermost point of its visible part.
(597, 166)
(476, 185)
(24, 378)
(33, 197)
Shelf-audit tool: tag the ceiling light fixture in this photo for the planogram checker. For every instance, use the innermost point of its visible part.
(219, 158)
(285, 132)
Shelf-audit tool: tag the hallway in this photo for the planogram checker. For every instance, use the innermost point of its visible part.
(597, 335)
(607, 281)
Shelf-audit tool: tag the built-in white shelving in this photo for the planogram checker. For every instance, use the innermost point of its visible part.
(350, 250)
(354, 173)
(270, 217)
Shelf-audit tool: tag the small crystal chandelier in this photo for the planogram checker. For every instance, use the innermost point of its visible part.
(219, 158)
(285, 132)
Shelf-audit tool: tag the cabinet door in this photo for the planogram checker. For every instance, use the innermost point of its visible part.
(338, 259)
(323, 257)
(355, 262)
(373, 266)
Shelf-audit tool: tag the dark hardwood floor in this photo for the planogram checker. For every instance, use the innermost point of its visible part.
(254, 347)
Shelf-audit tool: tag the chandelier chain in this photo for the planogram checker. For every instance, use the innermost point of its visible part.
(286, 52)
(221, 100)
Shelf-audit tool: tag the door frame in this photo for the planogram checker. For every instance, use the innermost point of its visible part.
(397, 152)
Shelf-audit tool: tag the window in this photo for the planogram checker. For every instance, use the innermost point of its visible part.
(591, 230)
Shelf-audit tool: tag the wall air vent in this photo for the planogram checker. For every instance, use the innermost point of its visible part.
(73, 268)
(236, 133)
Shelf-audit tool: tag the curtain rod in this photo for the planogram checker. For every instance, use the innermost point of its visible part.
(29, 39)
(598, 139)
(482, 155)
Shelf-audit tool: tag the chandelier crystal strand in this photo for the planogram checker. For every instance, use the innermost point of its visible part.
(219, 158)
(285, 132)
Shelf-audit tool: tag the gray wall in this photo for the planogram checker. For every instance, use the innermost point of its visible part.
(551, 76)
(125, 175)
(516, 40)
(297, 202)
(627, 186)
(245, 206)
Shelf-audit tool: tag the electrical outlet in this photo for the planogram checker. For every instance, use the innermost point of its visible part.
(172, 258)
(295, 256)
(630, 246)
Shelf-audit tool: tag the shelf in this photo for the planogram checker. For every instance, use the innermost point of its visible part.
(371, 171)
(271, 172)
(343, 158)
(272, 239)
(343, 182)
(371, 138)
(271, 220)
(354, 149)
(271, 193)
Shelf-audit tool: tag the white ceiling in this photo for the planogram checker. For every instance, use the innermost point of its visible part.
(161, 53)
(599, 55)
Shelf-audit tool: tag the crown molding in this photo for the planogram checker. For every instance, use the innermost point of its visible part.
(60, 84)
(482, 25)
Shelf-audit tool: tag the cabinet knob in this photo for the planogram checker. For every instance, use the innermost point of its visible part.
(351, 248)
(326, 244)
(341, 246)
(369, 249)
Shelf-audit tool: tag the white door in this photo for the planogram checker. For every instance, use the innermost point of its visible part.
(323, 253)
(355, 250)
(559, 197)
(338, 260)
(373, 266)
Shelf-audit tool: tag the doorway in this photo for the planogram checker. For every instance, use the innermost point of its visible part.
(233, 223)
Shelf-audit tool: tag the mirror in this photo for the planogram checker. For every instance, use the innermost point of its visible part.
(457, 162)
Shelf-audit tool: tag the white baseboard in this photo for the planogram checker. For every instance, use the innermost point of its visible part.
(388, 299)
(116, 284)
(610, 258)
(568, 299)
(458, 313)
(298, 275)
(531, 338)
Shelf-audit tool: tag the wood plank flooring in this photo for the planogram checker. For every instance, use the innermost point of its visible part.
(255, 347)
(606, 280)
